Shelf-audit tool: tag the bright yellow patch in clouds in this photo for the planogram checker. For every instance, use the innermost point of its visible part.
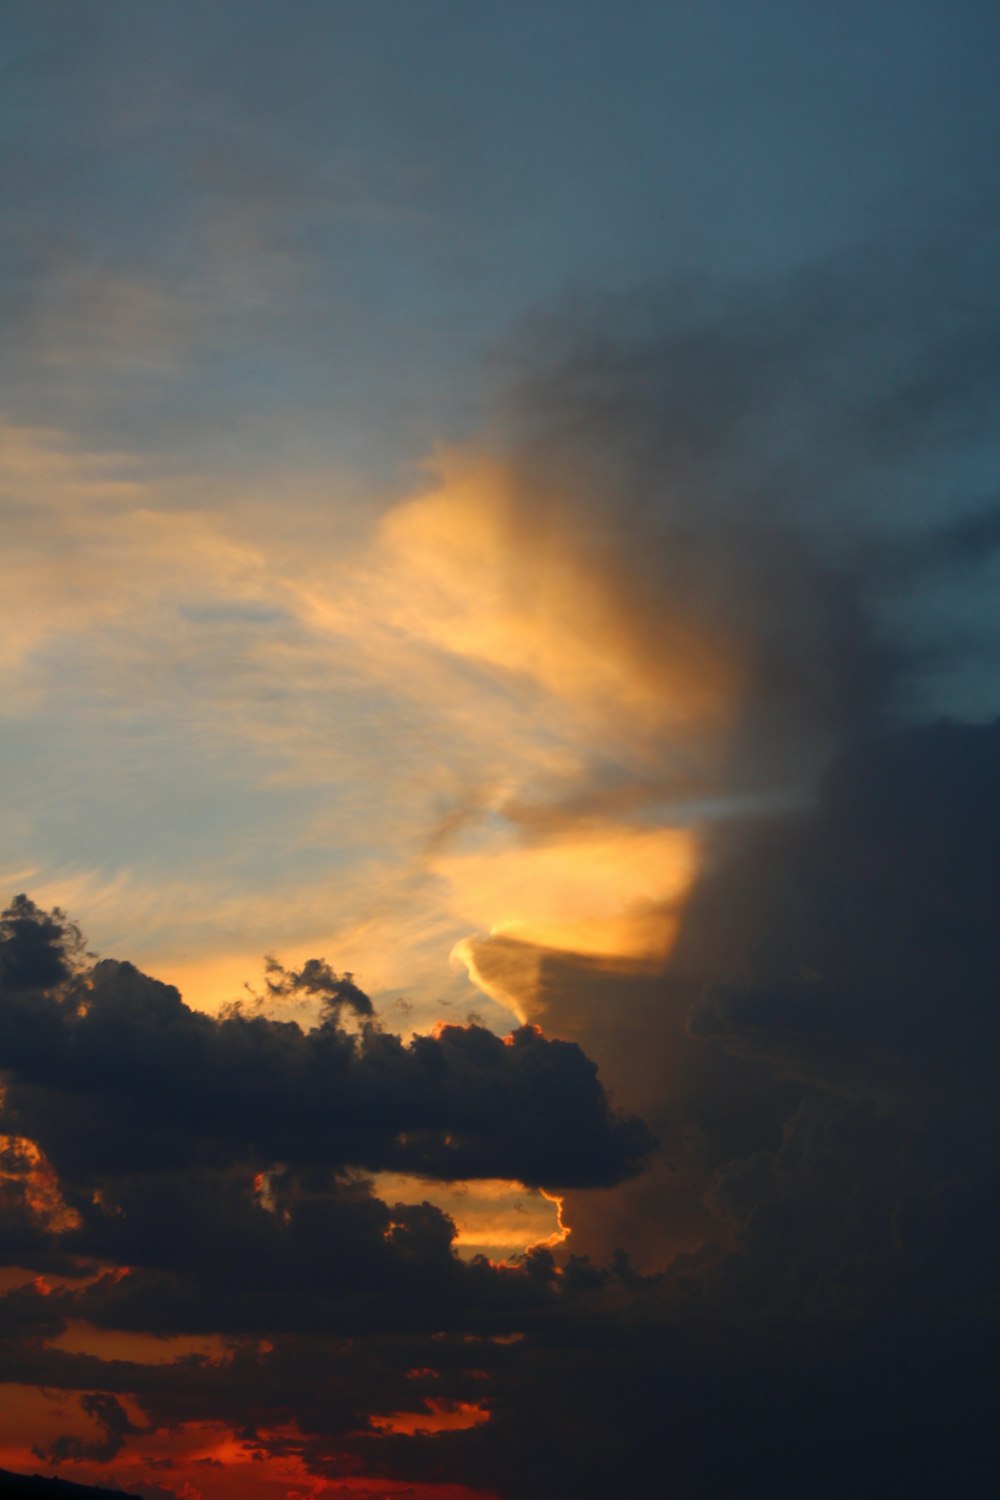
(600, 892)
(492, 1217)
(539, 591)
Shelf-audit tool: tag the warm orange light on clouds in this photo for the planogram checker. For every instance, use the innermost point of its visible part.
(437, 1416)
(27, 1178)
(208, 1461)
(478, 718)
(487, 571)
(492, 1217)
(562, 1231)
(590, 893)
(137, 1348)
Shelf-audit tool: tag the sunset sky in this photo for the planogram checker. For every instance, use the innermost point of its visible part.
(500, 755)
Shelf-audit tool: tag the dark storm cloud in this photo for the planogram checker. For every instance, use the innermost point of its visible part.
(863, 937)
(831, 1103)
(855, 959)
(794, 469)
(38, 948)
(210, 1158)
(835, 1107)
(208, 1260)
(219, 1161)
(789, 465)
(112, 1073)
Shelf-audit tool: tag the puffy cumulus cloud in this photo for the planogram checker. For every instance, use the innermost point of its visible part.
(169, 1172)
(222, 1160)
(111, 1072)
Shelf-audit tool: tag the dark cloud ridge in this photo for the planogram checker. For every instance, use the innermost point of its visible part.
(111, 1073)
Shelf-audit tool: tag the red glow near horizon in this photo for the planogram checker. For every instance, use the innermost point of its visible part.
(206, 1462)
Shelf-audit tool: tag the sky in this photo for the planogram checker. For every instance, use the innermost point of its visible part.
(500, 735)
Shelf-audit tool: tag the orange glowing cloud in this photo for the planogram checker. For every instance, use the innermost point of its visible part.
(208, 1461)
(540, 593)
(492, 1217)
(601, 892)
(27, 1178)
(520, 582)
(438, 1416)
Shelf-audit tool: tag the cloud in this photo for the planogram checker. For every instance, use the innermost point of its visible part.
(114, 1073)
(655, 624)
(337, 992)
(862, 917)
(833, 1118)
(111, 1416)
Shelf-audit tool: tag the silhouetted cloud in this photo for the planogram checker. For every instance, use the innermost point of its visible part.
(109, 1415)
(110, 1073)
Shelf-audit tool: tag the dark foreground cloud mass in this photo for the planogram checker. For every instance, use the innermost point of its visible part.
(112, 1073)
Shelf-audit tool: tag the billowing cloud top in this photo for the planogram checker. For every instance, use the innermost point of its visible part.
(110, 1073)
